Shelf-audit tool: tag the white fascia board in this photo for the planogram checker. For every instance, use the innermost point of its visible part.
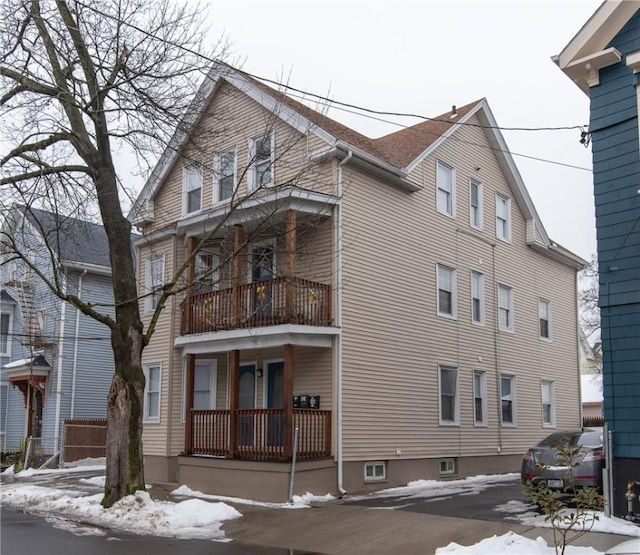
(159, 235)
(508, 165)
(89, 268)
(585, 71)
(598, 31)
(562, 255)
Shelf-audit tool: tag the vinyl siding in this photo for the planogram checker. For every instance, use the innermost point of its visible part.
(394, 341)
(616, 165)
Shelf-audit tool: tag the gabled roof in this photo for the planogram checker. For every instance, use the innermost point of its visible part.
(396, 154)
(71, 240)
(586, 53)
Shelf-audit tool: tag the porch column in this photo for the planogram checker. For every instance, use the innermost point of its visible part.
(187, 316)
(238, 271)
(234, 396)
(188, 433)
(288, 401)
(290, 262)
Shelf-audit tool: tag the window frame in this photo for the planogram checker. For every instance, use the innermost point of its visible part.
(253, 168)
(454, 291)
(147, 418)
(7, 351)
(481, 299)
(187, 188)
(456, 396)
(451, 466)
(507, 219)
(479, 208)
(545, 302)
(213, 281)
(374, 465)
(482, 395)
(151, 299)
(512, 399)
(551, 403)
(510, 327)
(450, 209)
(218, 177)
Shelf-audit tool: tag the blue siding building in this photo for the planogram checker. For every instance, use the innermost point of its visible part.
(55, 362)
(603, 59)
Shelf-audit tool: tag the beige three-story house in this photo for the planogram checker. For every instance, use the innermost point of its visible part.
(383, 309)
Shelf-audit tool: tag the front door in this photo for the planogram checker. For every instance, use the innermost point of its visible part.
(275, 400)
(246, 400)
(262, 271)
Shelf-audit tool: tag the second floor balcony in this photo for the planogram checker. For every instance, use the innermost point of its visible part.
(271, 302)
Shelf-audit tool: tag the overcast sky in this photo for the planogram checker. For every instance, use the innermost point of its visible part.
(424, 57)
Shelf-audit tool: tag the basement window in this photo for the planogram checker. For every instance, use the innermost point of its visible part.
(375, 471)
(448, 466)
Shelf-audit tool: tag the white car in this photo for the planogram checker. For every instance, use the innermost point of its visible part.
(627, 547)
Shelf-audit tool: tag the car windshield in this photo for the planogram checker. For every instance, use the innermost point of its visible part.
(591, 439)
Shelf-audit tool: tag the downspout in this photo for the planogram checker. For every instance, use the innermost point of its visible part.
(75, 349)
(339, 246)
(63, 308)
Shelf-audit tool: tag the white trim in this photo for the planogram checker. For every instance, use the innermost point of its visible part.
(511, 320)
(481, 297)
(272, 242)
(483, 397)
(146, 418)
(7, 352)
(456, 396)
(373, 465)
(454, 292)
(506, 228)
(452, 193)
(216, 192)
(149, 305)
(252, 184)
(513, 399)
(551, 403)
(541, 301)
(447, 472)
(213, 279)
(192, 169)
(480, 207)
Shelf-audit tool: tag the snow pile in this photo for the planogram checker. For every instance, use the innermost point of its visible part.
(138, 513)
(593, 522)
(511, 544)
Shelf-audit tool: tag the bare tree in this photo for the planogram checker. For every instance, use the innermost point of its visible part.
(588, 299)
(79, 80)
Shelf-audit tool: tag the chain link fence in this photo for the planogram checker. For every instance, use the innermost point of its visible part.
(83, 439)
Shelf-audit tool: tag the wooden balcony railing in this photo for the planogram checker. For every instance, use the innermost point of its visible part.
(264, 303)
(260, 434)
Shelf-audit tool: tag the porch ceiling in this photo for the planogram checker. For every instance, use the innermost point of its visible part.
(268, 336)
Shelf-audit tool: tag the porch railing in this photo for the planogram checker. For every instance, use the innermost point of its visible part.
(263, 303)
(259, 434)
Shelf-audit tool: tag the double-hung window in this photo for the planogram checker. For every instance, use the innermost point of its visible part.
(448, 395)
(203, 385)
(508, 399)
(480, 398)
(447, 294)
(503, 217)
(6, 320)
(475, 204)
(192, 189)
(207, 271)
(224, 175)
(548, 404)
(152, 374)
(505, 307)
(261, 151)
(544, 316)
(477, 298)
(446, 189)
(154, 281)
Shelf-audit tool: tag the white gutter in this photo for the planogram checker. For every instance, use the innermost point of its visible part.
(59, 368)
(75, 349)
(339, 246)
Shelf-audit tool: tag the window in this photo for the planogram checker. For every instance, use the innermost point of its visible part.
(192, 189)
(6, 321)
(505, 308)
(448, 395)
(203, 385)
(446, 184)
(477, 298)
(503, 218)
(207, 274)
(544, 313)
(261, 170)
(475, 204)
(448, 466)
(507, 397)
(374, 471)
(224, 175)
(480, 398)
(154, 281)
(548, 404)
(447, 297)
(152, 375)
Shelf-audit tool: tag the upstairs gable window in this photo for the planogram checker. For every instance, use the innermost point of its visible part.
(503, 218)
(475, 204)
(224, 175)
(261, 152)
(446, 184)
(192, 189)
